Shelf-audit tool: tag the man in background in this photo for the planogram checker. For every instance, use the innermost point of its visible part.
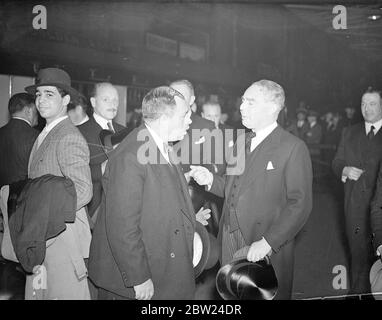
(104, 100)
(17, 138)
(356, 164)
(78, 109)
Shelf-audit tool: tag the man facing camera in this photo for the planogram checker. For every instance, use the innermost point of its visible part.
(104, 100)
(269, 199)
(356, 163)
(61, 150)
(142, 243)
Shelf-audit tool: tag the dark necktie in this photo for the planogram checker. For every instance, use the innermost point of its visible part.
(248, 141)
(371, 134)
(110, 127)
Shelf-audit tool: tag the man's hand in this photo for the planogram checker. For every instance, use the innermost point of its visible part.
(352, 173)
(258, 250)
(201, 175)
(203, 215)
(144, 291)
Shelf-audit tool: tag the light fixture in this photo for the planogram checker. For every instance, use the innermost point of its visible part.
(374, 17)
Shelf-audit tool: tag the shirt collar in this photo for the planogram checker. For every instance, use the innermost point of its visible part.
(83, 120)
(265, 132)
(377, 125)
(25, 120)
(101, 121)
(158, 141)
(51, 125)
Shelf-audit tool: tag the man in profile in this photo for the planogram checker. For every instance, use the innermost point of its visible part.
(142, 244)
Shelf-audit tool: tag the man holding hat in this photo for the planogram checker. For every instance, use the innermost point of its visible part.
(61, 150)
(269, 199)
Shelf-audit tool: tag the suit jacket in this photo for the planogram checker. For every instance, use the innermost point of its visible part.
(272, 203)
(145, 226)
(91, 130)
(193, 145)
(44, 206)
(16, 142)
(314, 134)
(64, 152)
(355, 150)
(376, 212)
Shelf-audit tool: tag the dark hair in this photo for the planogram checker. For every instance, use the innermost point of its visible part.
(19, 101)
(158, 101)
(372, 90)
(79, 100)
(62, 92)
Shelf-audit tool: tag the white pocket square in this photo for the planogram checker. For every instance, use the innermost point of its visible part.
(201, 140)
(230, 144)
(270, 165)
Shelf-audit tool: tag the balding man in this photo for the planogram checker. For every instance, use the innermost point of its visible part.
(104, 100)
(268, 200)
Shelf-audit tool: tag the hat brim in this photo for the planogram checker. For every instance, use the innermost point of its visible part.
(71, 91)
(244, 280)
(205, 247)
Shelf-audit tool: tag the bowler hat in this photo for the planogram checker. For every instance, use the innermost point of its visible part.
(244, 280)
(376, 279)
(53, 77)
(206, 250)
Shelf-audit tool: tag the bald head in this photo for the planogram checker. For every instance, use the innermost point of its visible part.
(212, 111)
(105, 100)
(186, 89)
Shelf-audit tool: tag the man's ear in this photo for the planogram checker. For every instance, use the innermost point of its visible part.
(192, 100)
(66, 100)
(92, 101)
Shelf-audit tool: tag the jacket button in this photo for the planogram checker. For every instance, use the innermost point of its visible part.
(176, 231)
(172, 255)
(357, 230)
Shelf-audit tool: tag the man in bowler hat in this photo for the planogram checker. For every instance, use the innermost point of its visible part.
(61, 150)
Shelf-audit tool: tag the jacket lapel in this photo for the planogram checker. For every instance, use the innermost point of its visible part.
(258, 161)
(37, 153)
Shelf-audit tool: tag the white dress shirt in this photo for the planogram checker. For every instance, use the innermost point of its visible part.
(262, 134)
(377, 125)
(83, 120)
(47, 129)
(25, 120)
(102, 121)
(159, 142)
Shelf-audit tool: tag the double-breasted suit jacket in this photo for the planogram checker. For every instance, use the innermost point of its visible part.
(145, 226)
(270, 197)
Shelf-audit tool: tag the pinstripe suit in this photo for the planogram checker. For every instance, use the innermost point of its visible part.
(64, 152)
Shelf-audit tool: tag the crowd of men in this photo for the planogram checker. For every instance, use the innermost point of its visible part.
(127, 228)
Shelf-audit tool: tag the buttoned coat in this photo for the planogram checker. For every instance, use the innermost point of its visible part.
(274, 199)
(145, 226)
